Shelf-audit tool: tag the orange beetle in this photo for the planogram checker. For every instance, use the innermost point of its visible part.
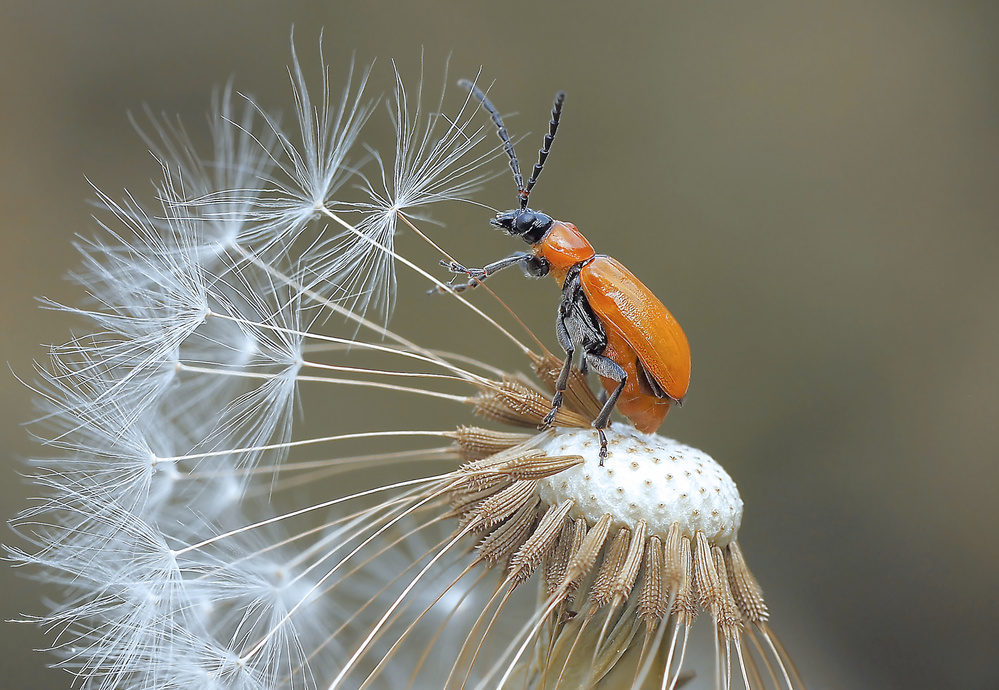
(625, 333)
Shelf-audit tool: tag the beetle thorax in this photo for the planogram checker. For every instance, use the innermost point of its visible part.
(563, 247)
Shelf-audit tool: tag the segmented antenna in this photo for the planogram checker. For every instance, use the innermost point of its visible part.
(500, 130)
(522, 192)
(546, 149)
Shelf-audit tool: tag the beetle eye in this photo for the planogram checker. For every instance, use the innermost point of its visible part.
(525, 222)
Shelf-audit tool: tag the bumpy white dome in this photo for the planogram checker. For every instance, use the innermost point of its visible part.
(645, 477)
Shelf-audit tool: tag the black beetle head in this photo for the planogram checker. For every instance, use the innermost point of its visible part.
(529, 225)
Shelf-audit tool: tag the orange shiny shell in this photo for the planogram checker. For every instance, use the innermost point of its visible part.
(636, 320)
(563, 247)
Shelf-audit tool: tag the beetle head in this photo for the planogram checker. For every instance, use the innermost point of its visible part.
(530, 225)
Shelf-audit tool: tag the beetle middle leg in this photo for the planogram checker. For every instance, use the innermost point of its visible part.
(578, 327)
(564, 339)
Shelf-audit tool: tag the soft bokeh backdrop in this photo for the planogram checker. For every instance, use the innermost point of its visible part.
(813, 189)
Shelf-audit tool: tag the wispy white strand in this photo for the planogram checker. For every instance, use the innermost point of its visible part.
(308, 166)
(167, 570)
(435, 160)
(242, 161)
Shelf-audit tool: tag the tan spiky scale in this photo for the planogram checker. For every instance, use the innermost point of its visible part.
(625, 581)
(501, 505)
(583, 560)
(575, 545)
(513, 402)
(467, 499)
(569, 541)
(477, 443)
(502, 542)
(491, 470)
(705, 576)
(685, 604)
(601, 592)
(675, 567)
(516, 463)
(729, 621)
(539, 468)
(653, 601)
(540, 544)
(481, 479)
(491, 406)
(747, 592)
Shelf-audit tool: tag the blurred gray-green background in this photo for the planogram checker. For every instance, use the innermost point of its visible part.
(812, 188)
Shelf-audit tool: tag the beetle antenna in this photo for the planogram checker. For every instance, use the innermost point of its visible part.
(503, 134)
(546, 149)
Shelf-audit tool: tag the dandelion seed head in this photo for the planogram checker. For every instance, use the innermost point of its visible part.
(691, 489)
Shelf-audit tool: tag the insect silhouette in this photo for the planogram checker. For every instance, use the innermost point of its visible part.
(626, 335)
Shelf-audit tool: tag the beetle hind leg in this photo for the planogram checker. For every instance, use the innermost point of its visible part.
(608, 368)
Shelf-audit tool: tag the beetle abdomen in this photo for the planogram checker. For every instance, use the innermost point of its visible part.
(636, 402)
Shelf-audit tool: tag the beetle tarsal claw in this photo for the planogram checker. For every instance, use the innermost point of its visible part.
(550, 417)
(455, 267)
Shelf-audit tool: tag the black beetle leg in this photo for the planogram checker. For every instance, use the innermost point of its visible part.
(609, 369)
(563, 377)
(479, 275)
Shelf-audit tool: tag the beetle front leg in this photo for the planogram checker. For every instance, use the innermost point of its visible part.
(476, 276)
(479, 275)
